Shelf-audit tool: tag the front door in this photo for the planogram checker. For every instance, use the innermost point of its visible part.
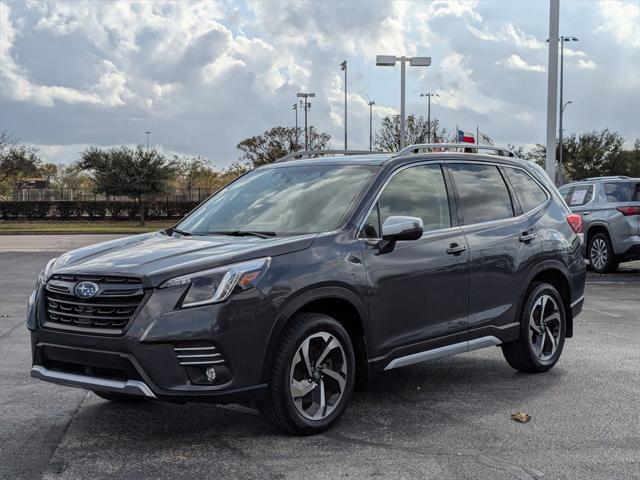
(419, 290)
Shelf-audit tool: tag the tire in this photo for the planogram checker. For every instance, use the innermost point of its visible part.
(600, 253)
(313, 333)
(534, 351)
(119, 397)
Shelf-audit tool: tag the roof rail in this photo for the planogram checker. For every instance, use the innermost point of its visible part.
(609, 177)
(312, 153)
(503, 152)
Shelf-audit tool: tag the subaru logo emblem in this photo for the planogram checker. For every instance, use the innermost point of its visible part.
(86, 289)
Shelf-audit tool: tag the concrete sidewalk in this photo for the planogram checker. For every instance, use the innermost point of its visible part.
(51, 243)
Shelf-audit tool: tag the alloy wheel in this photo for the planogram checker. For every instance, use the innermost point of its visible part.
(598, 253)
(318, 376)
(544, 327)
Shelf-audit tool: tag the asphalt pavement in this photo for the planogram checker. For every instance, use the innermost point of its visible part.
(445, 419)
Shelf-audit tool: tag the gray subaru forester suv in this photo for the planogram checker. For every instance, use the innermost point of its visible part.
(610, 211)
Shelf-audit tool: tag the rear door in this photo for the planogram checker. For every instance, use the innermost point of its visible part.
(503, 245)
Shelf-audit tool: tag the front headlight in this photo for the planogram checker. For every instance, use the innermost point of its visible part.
(44, 273)
(215, 285)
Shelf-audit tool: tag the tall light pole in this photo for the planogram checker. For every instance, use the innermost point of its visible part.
(295, 107)
(560, 176)
(552, 88)
(147, 133)
(343, 67)
(429, 95)
(371, 104)
(390, 61)
(560, 167)
(306, 106)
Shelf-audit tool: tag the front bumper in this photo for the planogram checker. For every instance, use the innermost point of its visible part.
(146, 359)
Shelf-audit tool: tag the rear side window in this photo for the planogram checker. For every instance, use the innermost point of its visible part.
(622, 191)
(580, 195)
(483, 194)
(416, 192)
(529, 193)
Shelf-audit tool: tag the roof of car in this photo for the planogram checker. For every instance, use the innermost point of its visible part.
(619, 178)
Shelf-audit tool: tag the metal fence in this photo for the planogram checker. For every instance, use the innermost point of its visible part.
(89, 195)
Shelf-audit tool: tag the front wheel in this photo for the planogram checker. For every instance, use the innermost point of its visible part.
(601, 255)
(542, 331)
(312, 376)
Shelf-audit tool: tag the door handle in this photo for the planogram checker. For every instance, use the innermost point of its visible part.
(454, 248)
(527, 236)
(585, 213)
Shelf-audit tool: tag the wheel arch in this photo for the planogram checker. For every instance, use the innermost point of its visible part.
(593, 229)
(338, 302)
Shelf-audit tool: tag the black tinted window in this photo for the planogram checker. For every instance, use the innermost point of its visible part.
(483, 193)
(529, 193)
(416, 192)
(622, 191)
(580, 195)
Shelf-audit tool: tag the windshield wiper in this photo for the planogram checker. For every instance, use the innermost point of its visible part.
(243, 233)
(181, 232)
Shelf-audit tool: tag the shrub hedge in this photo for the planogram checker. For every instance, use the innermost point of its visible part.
(92, 209)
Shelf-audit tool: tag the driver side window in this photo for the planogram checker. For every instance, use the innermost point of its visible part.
(415, 192)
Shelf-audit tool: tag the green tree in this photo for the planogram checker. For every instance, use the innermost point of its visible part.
(278, 142)
(16, 161)
(195, 172)
(130, 172)
(387, 137)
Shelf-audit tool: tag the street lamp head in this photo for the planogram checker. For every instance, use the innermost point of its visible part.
(420, 61)
(372, 102)
(343, 65)
(385, 60)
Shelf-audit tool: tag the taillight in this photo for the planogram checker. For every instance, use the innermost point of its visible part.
(575, 221)
(626, 211)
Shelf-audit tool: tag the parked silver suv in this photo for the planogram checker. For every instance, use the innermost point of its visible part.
(610, 211)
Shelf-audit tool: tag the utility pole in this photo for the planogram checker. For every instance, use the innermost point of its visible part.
(390, 61)
(295, 107)
(147, 133)
(429, 95)
(343, 67)
(552, 88)
(560, 176)
(371, 104)
(306, 105)
(560, 167)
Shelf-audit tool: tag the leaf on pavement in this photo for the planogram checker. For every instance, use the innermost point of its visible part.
(520, 417)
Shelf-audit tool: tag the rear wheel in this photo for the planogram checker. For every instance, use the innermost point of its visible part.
(542, 331)
(312, 376)
(119, 397)
(601, 256)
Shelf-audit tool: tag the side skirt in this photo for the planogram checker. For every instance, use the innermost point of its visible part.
(445, 351)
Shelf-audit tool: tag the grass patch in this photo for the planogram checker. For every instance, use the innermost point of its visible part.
(16, 227)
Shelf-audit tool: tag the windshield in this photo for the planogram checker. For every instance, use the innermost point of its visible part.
(295, 199)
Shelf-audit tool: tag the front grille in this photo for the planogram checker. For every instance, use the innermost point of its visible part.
(199, 355)
(109, 311)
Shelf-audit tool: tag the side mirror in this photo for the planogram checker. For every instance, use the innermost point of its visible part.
(397, 228)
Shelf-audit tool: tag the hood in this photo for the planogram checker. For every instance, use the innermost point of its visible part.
(156, 256)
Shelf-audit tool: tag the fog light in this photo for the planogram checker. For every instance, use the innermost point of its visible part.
(211, 374)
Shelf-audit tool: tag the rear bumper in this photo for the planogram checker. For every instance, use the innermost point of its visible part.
(576, 306)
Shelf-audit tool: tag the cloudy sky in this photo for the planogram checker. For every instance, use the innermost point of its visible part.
(202, 76)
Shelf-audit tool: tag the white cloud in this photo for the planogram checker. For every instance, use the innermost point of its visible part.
(515, 62)
(586, 64)
(509, 34)
(463, 92)
(622, 20)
